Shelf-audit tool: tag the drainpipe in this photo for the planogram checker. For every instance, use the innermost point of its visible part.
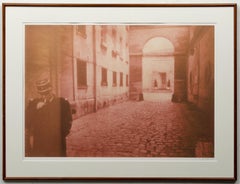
(94, 70)
(198, 61)
(73, 71)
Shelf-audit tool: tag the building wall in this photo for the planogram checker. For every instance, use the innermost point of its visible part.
(111, 54)
(83, 51)
(178, 35)
(96, 48)
(201, 69)
(48, 53)
(64, 53)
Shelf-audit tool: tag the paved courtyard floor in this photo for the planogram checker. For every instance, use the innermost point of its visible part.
(142, 129)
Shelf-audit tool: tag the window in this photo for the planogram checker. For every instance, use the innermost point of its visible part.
(121, 79)
(114, 78)
(121, 48)
(114, 42)
(81, 74)
(104, 77)
(104, 36)
(126, 80)
(114, 37)
(82, 31)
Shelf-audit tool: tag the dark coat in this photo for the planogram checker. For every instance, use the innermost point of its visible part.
(49, 124)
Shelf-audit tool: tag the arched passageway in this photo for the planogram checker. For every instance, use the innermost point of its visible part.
(178, 40)
(158, 69)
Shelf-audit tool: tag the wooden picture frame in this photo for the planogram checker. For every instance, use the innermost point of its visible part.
(198, 32)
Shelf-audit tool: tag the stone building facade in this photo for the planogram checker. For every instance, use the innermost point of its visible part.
(87, 64)
(200, 71)
(112, 60)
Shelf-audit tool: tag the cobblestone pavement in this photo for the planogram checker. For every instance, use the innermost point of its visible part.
(142, 129)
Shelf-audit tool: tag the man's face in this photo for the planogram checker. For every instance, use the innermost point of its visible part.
(45, 94)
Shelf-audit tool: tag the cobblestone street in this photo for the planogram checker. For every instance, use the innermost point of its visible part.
(142, 129)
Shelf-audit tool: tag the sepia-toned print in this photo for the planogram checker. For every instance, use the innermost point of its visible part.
(108, 90)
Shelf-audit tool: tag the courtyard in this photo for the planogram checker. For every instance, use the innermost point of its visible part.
(142, 129)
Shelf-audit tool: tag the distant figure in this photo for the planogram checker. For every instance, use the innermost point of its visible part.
(48, 122)
(168, 84)
(155, 84)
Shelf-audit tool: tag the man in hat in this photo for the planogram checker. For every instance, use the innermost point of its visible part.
(48, 122)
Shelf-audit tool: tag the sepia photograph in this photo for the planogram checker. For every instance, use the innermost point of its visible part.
(119, 90)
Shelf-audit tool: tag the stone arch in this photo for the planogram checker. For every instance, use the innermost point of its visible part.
(158, 69)
(178, 36)
(158, 45)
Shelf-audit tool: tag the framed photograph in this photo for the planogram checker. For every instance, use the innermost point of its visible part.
(120, 92)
